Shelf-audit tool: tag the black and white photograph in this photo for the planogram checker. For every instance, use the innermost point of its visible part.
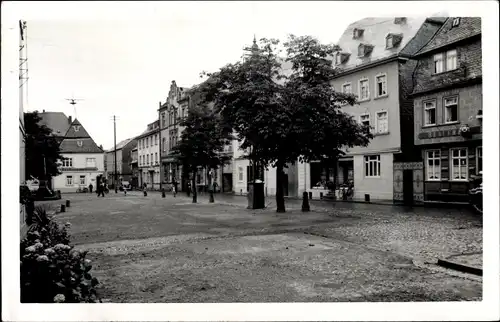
(219, 157)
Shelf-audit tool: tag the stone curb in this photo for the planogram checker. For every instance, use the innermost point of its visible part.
(460, 267)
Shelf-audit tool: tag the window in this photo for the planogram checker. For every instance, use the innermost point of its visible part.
(338, 58)
(90, 163)
(147, 142)
(163, 121)
(76, 128)
(455, 23)
(430, 113)
(67, 162)
(433, 164)
(372, 166)
(382, 122)
(451, 59)
(459, 166)
(69, 180)
(347, 88)
(479, 159)
(451, 109)
(364, 93)
(388, 42)
(156, 157)
(357, 33)
(240, 174)
(151, 158)
(183, 112)
(79, 143)
(164, 143)
(82, 180)
(364, 119)
(147, 159)
(381, 81)
(438, 63)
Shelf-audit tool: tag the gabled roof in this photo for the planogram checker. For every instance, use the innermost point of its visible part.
(76, 130)
(57, 121)
(374, 34)
(72, 146)
(467, 28)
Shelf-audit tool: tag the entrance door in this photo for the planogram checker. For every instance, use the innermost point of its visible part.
(408, 187)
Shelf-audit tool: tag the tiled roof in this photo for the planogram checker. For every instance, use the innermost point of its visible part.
(76, 130)
(374, 34)
(468, 27)
(121, 145)
(57, 121)
(69, 145)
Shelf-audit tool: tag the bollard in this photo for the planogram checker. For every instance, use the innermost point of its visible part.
(367, 197)
(145, 193)
(305, 202)
(63, 208)
(320, 195)
(310, 195)
(241, 192)
(67, 203)
(59, 194)
(163, 193)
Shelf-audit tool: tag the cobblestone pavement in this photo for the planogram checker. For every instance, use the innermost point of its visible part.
(153, 249)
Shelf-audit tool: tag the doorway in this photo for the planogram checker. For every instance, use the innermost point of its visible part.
(408, 187)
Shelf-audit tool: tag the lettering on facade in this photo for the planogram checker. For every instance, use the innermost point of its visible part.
(446, 133)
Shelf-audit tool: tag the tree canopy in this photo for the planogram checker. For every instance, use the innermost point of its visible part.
(202, 141)
(286, 116)
(42, 149)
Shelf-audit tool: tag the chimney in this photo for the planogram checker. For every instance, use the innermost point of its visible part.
(70, 120)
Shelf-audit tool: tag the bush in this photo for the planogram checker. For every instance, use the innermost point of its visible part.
(51, 269)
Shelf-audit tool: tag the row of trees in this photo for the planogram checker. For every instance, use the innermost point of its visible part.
(282, 115)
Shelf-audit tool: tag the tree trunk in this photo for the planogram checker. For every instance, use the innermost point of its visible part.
(193, 186)
(211, 187)
(280, 199)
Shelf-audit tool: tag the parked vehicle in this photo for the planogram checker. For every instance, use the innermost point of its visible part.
(476, 194)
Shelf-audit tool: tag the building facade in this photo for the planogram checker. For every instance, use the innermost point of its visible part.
(134, 166)
(374, 64)
(82, 159)
(123, 165)
(448, 109)
(171, 113)
(148, 152)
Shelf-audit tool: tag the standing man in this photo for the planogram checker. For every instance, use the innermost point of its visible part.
(91, 187)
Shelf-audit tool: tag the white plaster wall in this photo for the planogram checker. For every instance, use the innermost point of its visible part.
(270, 182)
(240, 186)
(304, 176)
(79, 161)
(379, 188)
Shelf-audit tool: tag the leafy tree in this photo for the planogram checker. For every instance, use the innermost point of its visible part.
(42, 149)
(283, 121)
(202, 142)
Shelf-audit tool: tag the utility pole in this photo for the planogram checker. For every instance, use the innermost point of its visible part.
(159, 139)
(116, 174)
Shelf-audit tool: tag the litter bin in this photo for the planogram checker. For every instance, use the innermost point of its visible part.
(255, 196)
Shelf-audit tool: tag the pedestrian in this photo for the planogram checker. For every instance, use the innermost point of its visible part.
(174, 187)
(101, 190)
(91, 187)
(188, 188)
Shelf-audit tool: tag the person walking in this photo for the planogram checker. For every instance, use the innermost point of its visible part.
(189, 188)
(174, 187)
(91, 187)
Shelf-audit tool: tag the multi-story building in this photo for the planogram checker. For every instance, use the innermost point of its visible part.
(134, 166)
(171, 113)
(448, 109)
(82, 159)
(124, 157)
(22, 152)
(374, 63)
(148, 152)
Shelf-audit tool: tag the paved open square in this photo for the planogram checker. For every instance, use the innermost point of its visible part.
(153, 249)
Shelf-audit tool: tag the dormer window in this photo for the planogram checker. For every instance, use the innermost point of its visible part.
(364, 50)
(456, 22)
(79, 143)
(400, 20)
(393, 40)
(76, 128)
(357, 33)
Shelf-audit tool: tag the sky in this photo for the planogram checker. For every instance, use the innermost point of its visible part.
(125, 67)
